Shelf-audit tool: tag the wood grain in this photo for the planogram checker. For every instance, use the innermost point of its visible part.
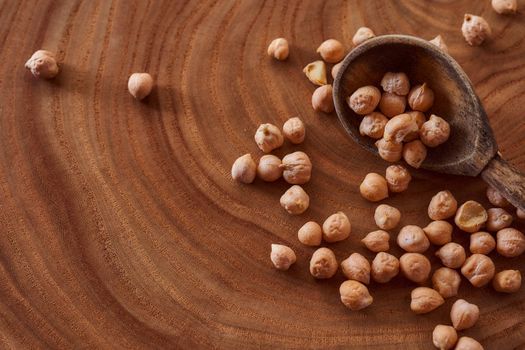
(120, 227)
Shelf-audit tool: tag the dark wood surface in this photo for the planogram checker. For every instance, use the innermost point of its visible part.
(120, 227)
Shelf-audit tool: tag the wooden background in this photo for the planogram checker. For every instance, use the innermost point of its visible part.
(120, 225)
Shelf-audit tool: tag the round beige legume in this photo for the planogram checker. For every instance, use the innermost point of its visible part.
(444, 337)
(478, 269)
(364, 100)
(396, 83)
(421, 98)
(496, 199)
(399, 127)
(295, 200)
(361, 35)
(373, 125)
(297, 168)
(446, 282)
(463, 314)
(442, 206)
(387, 217)
(384, 267)
(397, 178)
(331, 50)
(475, 30)
(412, 239)
(244, 169)
(323, 263)
(471, 216)
(335, 69)
(268, 137)
(467, 343)
(389, 150)
(415, 267)
(282, 256)
(438, 232)
(505, 7)
(510, 242)
(355, 295)
(374, 187)
(452, 255)
(498, 219)
(294, 129)
(279, 49)
(322, 100)
(377, 241)
(439, 42)
(336, 227)
(418, 117)
(482, 243)
(310, 234)
(434, 131)
(414, 153)
(425, 300)
(356, 267)
(269, 168)
(392, 104)
(507, 281)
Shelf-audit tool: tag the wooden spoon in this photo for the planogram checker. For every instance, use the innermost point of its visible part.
(471, 149)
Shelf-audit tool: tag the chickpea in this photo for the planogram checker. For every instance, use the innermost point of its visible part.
(425, 299)
(336, 227)
(482, 243)
(390, 151)
(444, 337)
(415, 267)
(392, 104)
(412, 239)
(355, 295)
(310, 234)
(361, 35)
(478, 269)
(496, 199)
(446, 281)
(323, 264)
(268, 137)
(140, 85)
(316, 73)
(475, 30)
(322, 100)
(356, 267)
(442, 206)
(384, 267)
(294, 130)
(439, 42)
(387, 217)
(331, 50)
(297, 168)
(510, 242)
(269, 168)
(505, 7)
(374, 187)
(377, 241)
(498, 219)
(471, 216)
(399, 127)
(244, 169)
(282, 256)
(397, 178)
(279, 49)
(295, 200)
(364, 100)
(463, 314)
(421, 98)
(373, 125)
(507, 281)
(414, 153)
(467, 343)
(43, 64)
(396, 83)
(434, 131)
(438, 232)
(520, 213)
(452, 255)
(335, 69)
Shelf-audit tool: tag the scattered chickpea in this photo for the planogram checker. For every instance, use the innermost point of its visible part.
(355, 295)
(322, 100)
(364, 100)
(520, 213)
(439, 42)
(425, 299)
(43, 64)
(421, 98)
(507, 281)
(390, 151)
(471, 216)
(316, 72)
(510, 242)
(140, 85)
(361, 35)
(269, 168)
(279, 49)
(452, 255)
(498, 219)
(336, 227)
(244, 169)
(396, 83)
(384, 267)
(295, 200)
(444, 337)
(478, 269)
(294, 130)
(335, 69)
(418, 117)
(377, 241)
(391, 104)
(323, 264)
(356, 267)
(505, 7)
(442, 206)
(373, 125)
(467, 343)
(412, 239)
(374, 187)
(415, 267)
(496, 199)
(434, 131)
(463, 314)
(297, 168)
(331, 50)
(282, 256)
(397, 178)
(446, 281)
(482, 243)
(310, 234)
(387, 217)
(438, 232)
(268, 137)
(475, 30)
(399, 127)
(414, 153)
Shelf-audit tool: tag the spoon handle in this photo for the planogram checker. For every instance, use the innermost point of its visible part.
(506, 179)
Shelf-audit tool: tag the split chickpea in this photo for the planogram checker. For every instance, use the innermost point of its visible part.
(444, 337)
(310, 234)
(446, 282)
(316, 73)
(295, 200)
(323, 263)
(322, 100)
(268, 137)
(438, 232)
(452, 255)
(355, 295)
(294, 130)
(387, 217)
(297, 168)
(507, 281)
(396, 83)
(282, 256)
(357, 268)
(498, 219)
(373, 125)
(424, 300)
(336, 227)
(364, 100)
(331, 50)
(415, 267)
(463, 314)
(442, 206)
(269, 168)
(470, 216)
(384, 267)
(478, 269)
(377, 241)
(434, 131)
(412, 239)
(397, 178)
(279, 49)
(482, 243)
(510, 242)
(374, 187)
(475, 29)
